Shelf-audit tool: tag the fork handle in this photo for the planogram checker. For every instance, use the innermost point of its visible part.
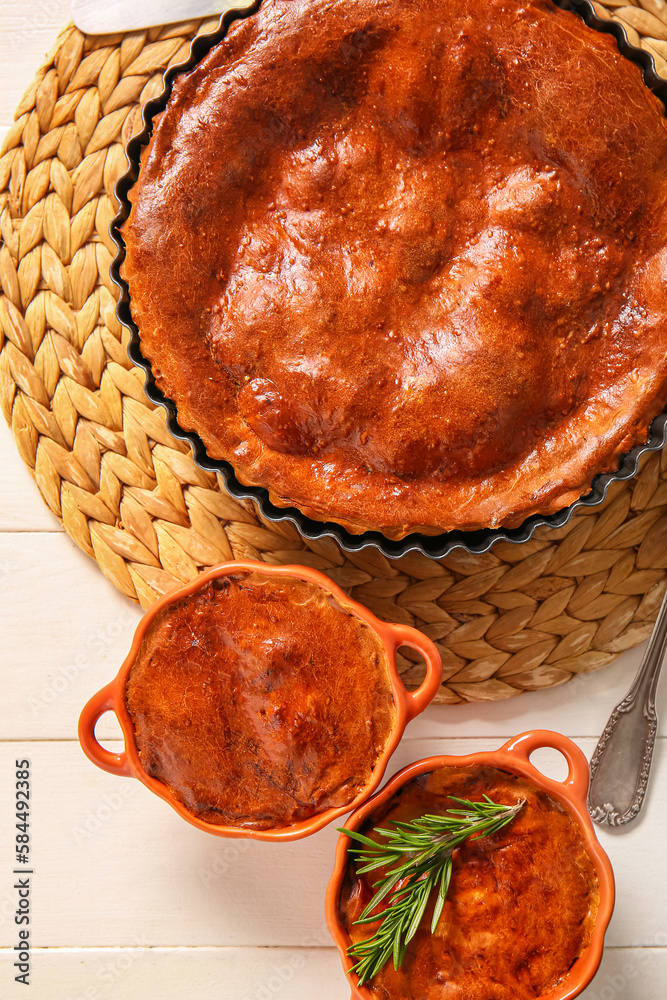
(621, 764)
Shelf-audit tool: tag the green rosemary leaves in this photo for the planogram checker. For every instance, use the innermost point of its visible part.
(417, 857)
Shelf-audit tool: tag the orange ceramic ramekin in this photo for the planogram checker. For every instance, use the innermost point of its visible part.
(514, 757)
(407, 703)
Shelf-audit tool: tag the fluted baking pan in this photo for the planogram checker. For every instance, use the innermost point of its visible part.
(433, 546)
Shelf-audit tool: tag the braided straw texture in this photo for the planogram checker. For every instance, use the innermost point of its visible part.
(516, 619)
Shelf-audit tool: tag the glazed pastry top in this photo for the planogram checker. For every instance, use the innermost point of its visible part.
(521, 903)
(402, 261)
(260, 701)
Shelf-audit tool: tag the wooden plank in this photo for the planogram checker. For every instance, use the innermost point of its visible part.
(263, 974)
(630, 973)
(65, 632)
(114, 864)
(169, 974)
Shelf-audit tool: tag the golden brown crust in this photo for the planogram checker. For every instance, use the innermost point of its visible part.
(240, 700)
(521, 903)
(402, 261)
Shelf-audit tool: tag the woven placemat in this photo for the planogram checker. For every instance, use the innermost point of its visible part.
(516, 619)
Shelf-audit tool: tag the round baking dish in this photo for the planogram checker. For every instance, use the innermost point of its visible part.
(513, 757)
(407, 704)
(434, 546)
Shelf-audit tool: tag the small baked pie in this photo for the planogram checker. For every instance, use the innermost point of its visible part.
(403, 263)
(520, 907)
(260, 701)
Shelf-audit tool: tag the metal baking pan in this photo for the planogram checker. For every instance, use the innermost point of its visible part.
(433, 546)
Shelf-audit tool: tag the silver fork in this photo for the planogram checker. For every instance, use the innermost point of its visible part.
(621, 764)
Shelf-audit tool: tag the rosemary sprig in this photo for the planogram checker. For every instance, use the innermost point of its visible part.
(421, 855)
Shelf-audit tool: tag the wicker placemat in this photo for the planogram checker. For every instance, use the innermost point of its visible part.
(516, 619)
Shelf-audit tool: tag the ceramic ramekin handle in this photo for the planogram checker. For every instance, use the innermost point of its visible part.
(416, 701)
(115, 763)
(578, 773)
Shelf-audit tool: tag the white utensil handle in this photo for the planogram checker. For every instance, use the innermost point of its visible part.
(110, 16)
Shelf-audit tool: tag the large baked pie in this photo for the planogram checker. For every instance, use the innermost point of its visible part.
(402, 262)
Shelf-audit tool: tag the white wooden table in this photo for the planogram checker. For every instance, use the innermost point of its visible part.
(130, 902)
